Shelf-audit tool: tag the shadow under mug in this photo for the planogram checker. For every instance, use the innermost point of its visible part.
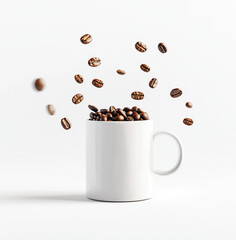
(119, 160)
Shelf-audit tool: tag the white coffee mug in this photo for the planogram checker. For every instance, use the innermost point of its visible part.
(119, 160)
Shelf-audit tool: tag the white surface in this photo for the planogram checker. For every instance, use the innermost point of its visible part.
(42, 166)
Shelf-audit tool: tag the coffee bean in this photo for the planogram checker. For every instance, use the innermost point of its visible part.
(189, 105)
(126, 109)
(122, 112)
(145, 67)
(119, 118)
(153, 83)
(93, 115)
(176, 92)
(162, 48)
(109, 115)
(93, 108)
(112, 109)
(129, 113)
(114, 113)
(188, 121)
(129, 118)
(79, 78)
(39, 84)
(137, 95)
(94, 62)
(144, 116)
(141, 47)
(139, 110)
(51, 109)
(121, 72)
(97, 83)
(136, 116)
(103, 118)
(135, 108)
(65, 123)
(98, 114)
(87, 38)
(104, 111)
(78, 98)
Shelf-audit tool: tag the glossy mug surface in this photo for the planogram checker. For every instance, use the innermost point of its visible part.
(119, 160)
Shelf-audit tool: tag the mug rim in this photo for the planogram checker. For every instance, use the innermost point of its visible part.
(121, 122)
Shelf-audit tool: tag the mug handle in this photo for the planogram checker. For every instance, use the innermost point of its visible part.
(179, 160)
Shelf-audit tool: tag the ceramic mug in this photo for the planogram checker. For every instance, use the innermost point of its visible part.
(119, 160)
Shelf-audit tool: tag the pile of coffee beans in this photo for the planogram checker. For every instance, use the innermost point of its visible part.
(117, 114)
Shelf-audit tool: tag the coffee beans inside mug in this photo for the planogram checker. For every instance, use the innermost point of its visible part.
(117, 114)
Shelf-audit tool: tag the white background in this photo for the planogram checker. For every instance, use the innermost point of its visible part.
(42, 166)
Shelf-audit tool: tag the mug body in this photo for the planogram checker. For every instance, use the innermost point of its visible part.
(118, 160)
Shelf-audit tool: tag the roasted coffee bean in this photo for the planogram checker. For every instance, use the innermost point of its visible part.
(188, 121)
(135, 108)
(112, 109)
(65, 123)
(121, 72)
(129, 113)
(78, 98)
(79, 78)
(94, 62)
(98, 114)
(176, 92)
(103, 118)
(109, 115)
(189, 105)
(136, 116)
(137, 95)
(144, 116)
(114, 113)
(119, 118)
(93, 108)
(162, 48)
(51, 109)
(97, 83)
(129, 118)
(141, 47)
(39, 84)
(122, 112)
(87, 38)
(139, 110)
(93, 115)
(127, 109)
(145, 67)
(153, 83)
(104, 111)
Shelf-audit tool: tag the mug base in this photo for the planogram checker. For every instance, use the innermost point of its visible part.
(118, 201)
